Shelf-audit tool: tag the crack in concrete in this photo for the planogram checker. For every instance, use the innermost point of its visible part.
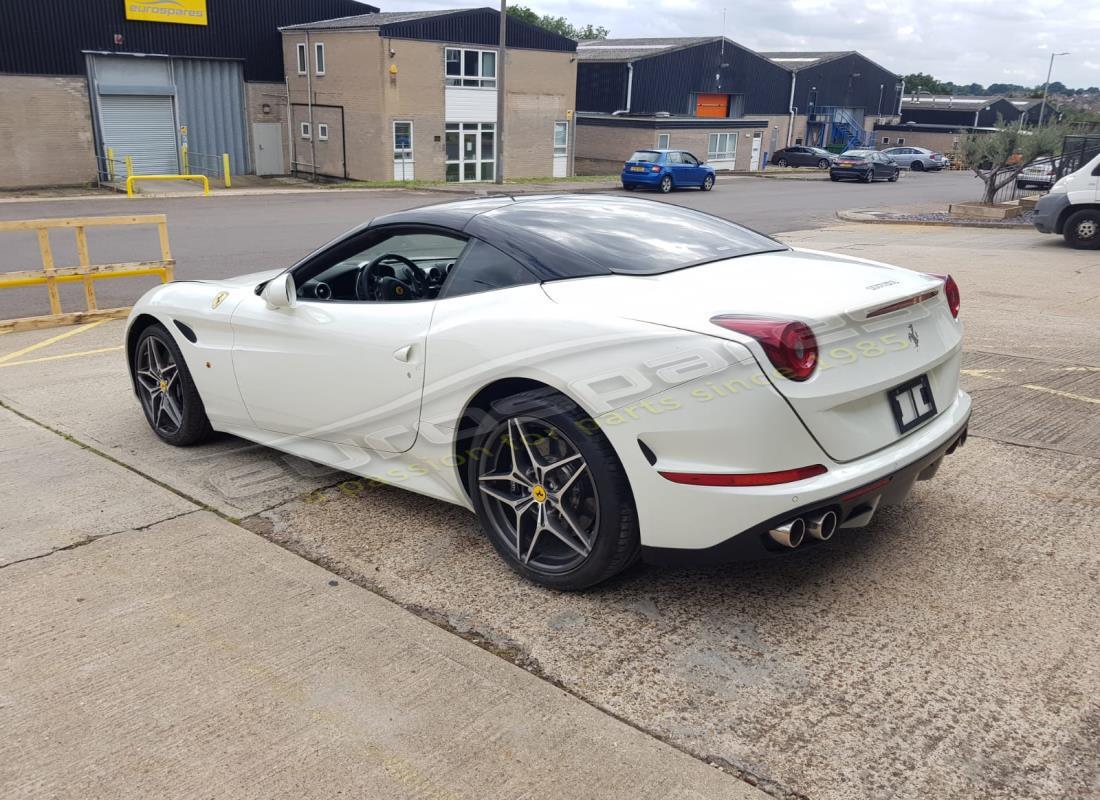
(86, 540)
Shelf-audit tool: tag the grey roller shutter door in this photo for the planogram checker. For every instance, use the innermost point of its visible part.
(143, 127)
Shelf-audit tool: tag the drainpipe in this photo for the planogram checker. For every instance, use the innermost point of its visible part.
(292, 150)
(629, 86)
(791, 108)
(901, 97)
(309, 101)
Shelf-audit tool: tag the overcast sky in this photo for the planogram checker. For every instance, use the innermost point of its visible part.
(983, 41)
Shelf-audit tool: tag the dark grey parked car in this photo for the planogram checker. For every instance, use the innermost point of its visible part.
(864, 165)
(800, 156)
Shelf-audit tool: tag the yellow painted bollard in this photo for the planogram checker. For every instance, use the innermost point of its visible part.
(129, 166)
(186, 163)
(110, 163)
(225, 169)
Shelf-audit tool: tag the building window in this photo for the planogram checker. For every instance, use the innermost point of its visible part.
(662, 141)
(470, 67)
(561, 138)
(471, 151)
(402, 141)
(901, 141)
(302, 65)
(306, 132)
(722, 147)
(322, 131)
(886, 140)
(319, 58)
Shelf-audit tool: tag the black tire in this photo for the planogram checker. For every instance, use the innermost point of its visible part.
(665, 186)
(596, 497)
(165, 393)
(628, 187)
(823, 163)
(708, 183)
(1082, 229)
(917, 166)
(834, 178)
(781, 162)
(868, 176)
(894, 177)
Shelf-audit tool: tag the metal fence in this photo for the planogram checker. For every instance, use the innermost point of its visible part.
(1035, 179)
(1078, 151)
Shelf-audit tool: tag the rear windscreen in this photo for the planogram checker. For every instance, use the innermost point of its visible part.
(644, 155)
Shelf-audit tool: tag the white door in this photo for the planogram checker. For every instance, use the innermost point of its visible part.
(144, 128)
(471, 151)
(336, 367)
(403, 163)
(561, 149)
(754, 160)
(267, 148)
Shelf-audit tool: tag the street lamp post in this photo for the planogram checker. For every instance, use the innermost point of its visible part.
(1050, 69)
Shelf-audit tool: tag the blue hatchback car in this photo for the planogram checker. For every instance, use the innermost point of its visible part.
(665, 170)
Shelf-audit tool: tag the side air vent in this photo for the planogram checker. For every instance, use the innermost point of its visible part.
(186, 330)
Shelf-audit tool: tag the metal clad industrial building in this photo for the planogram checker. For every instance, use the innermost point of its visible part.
(47, 37)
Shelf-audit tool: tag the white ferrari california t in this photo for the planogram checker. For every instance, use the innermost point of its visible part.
(598, 378)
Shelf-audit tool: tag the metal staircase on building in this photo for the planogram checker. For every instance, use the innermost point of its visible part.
(843, 128)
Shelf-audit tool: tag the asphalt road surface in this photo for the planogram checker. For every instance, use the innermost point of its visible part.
(220, 236)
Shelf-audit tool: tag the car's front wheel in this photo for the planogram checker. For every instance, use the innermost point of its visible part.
(665, 186)
(868, 176)
(168, 395)
(551, 494)
(1082, 230)
(708, 183)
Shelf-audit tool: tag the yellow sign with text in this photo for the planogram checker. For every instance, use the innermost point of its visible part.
(181, 12)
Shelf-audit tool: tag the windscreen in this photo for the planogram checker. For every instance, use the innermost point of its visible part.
(627, 236)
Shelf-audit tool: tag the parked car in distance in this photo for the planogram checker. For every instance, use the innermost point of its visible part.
(665, 170)
(917, 159)
(1039, 175)
(864, 165)
(801, 156)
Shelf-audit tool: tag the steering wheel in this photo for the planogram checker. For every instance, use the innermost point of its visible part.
(390, 277)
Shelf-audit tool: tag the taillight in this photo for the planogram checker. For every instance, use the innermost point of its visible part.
(951, 292)
(790, 345)
(654, 169)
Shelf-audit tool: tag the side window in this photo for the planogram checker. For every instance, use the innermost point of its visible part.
(690, 159)
(483, 268)
(674, 158)
(409, 263)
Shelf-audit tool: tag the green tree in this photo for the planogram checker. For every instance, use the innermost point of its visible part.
(918, 80)
(559, 24)
(997, 158)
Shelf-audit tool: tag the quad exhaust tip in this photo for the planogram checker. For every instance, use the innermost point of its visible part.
(789, 534)
(821, 526)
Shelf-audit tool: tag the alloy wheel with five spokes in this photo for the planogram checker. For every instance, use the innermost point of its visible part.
(159, 385)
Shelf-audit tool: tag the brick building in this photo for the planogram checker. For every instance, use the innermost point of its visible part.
(404, 96)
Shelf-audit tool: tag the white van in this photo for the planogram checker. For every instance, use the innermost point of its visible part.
(1072, 208)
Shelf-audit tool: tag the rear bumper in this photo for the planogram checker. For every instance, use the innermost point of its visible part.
(845, 172)
(854, 508)
(641, 178)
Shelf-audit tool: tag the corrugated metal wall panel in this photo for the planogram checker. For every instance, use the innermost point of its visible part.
(143, 128)
(46, 37)
(851, 81)
(601, 86)
(212, 106)
(478, 26)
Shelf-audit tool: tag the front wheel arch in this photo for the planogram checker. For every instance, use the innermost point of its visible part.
(137, 327)
(1069, 211)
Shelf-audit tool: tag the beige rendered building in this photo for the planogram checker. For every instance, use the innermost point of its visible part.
(414, 96)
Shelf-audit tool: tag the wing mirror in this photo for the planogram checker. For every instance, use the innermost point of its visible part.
(280, 292)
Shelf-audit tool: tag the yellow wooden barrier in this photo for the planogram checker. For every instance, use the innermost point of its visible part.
(87, 273)
(130, 181)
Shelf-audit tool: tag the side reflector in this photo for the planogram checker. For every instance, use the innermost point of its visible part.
(745, 478)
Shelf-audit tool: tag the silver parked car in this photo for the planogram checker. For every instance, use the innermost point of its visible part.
(916, 158)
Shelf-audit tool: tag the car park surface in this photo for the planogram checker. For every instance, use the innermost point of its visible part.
(948, 651)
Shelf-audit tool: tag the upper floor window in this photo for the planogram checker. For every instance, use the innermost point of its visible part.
(319, 58)
(302, 65)
(471, 67)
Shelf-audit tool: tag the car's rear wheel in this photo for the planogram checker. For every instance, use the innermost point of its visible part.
(551, 494)
(823, 163)
(781, 162)
(917, 166)
(708, 183)
(894, 177)
(665, 185)
(1082, 230)
(629, 187)
(168, 395)
(834, 178)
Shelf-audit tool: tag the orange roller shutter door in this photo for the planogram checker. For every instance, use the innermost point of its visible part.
(712, 105)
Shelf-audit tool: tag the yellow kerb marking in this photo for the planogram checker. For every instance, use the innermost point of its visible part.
(1069, 395)
(51, 340)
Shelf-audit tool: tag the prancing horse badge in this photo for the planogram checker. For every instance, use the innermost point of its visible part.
(220, 296)
(914, 338)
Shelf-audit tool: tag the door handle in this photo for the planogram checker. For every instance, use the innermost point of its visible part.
(403, 353)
